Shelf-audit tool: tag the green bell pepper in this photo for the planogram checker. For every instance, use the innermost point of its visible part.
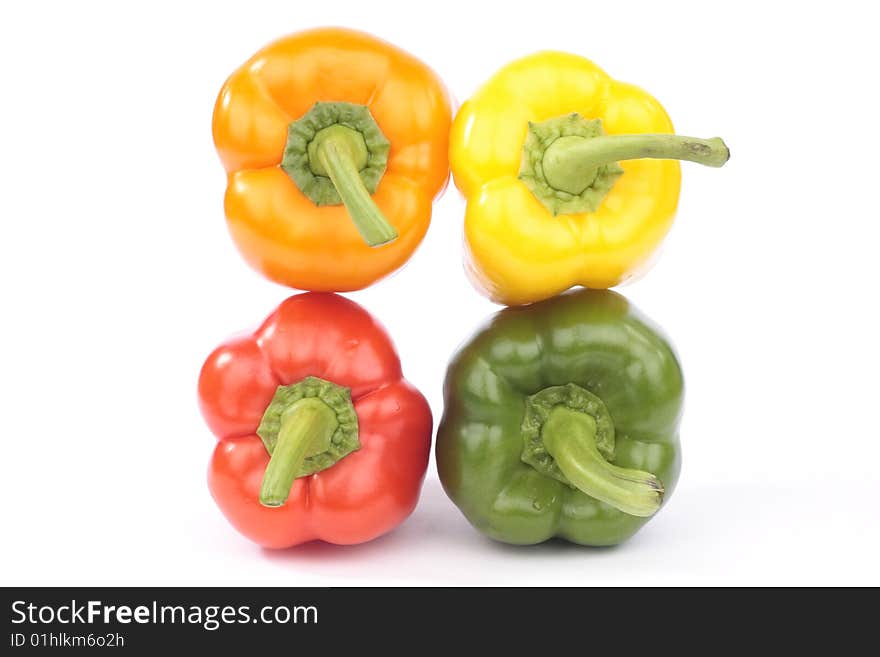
(561, 419)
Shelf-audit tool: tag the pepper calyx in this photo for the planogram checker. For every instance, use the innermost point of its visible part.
(577, 189)
(300, 150)
(537, 412)
(568, 434)
(570, 164)
(336, 154)
(342, 441)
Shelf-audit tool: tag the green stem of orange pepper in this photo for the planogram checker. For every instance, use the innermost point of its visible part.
(339, 153)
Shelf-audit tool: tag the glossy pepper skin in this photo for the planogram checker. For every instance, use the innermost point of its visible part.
(520, 249)
(590, 340)
(314, 244)
(368, 491)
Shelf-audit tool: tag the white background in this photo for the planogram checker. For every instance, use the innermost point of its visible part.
(118, 278)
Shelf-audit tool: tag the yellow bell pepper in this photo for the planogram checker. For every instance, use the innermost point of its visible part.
(571, 177)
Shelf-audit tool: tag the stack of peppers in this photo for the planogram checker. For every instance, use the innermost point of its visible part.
(561, 416)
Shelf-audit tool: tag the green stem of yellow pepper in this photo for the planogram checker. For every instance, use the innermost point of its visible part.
(572, 163)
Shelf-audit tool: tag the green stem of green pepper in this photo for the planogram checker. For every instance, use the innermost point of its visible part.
(570, 438)
(306, 429)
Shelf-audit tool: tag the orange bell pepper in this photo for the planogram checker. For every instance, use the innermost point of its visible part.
(335, 145)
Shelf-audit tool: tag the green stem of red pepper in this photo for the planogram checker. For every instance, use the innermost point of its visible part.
(306, 429)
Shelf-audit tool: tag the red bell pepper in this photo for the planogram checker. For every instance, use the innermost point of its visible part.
(320, 437)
